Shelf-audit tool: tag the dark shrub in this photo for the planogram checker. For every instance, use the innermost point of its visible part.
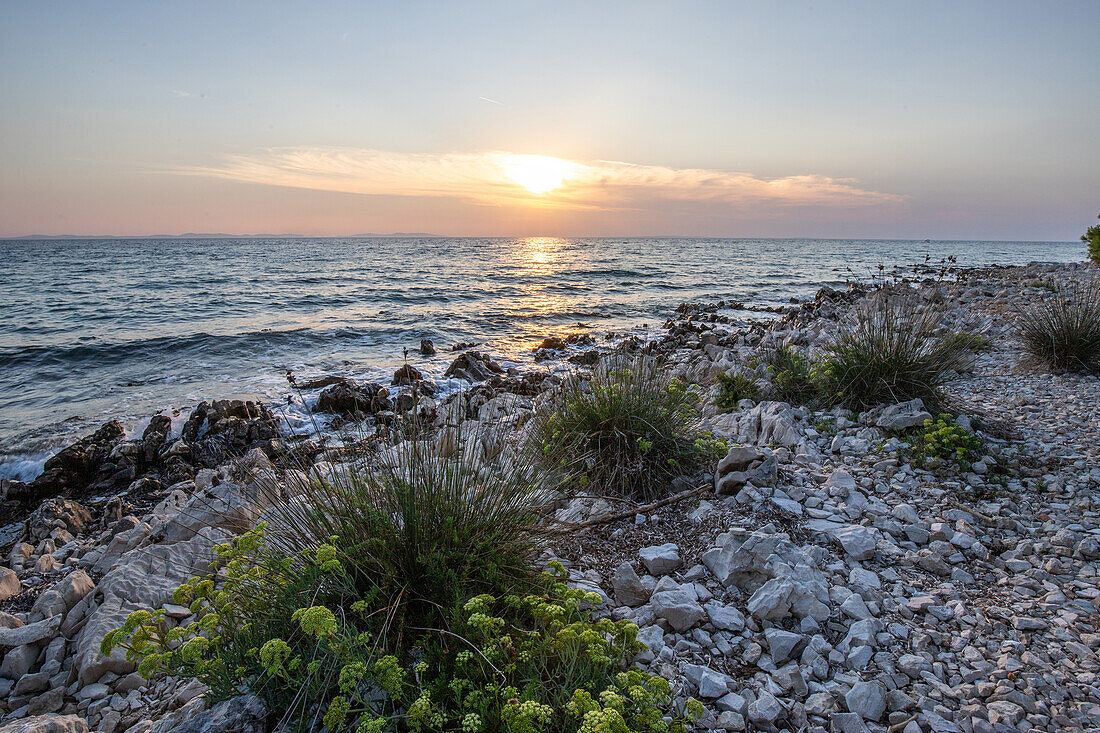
(791, 373)
(1091, 238)
(1063, 332)
(626, 429)
(892, 348)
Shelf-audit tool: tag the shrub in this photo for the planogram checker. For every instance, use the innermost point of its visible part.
(943, 438)
(534, 662)
(1091, 237)
(626, 430)
(792, 374)
(891, 349)
(1063, 332)
(397, 592)
(733, 388)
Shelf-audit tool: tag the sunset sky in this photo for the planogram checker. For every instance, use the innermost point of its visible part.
(966, 120)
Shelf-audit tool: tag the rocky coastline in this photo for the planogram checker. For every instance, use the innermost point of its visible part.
(817, 578)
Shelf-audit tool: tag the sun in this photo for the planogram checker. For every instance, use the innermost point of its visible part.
(539, 174)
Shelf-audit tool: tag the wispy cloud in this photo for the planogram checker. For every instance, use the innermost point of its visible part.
(183, 93)
(497, 178)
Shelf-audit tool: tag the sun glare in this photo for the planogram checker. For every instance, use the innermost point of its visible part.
(539, 174)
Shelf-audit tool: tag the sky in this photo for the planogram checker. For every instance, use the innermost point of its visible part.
(943, 120)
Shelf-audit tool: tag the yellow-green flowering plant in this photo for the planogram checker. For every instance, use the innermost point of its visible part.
(403, 600)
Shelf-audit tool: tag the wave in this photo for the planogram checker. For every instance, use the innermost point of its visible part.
(109, 353)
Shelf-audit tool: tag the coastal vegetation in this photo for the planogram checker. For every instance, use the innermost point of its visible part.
(626, 430)
(792, 374)
(734, 387)
(891, 349)
(945, 439)
(402, 594)
(1062, 332)
(1091, 238)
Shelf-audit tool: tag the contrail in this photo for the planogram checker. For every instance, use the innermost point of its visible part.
(491, 101)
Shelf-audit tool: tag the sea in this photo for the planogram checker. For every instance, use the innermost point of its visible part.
(96, 329)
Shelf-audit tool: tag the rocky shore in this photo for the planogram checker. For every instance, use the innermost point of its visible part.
(819, 577)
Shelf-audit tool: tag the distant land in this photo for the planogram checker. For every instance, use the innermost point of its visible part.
(221, 235)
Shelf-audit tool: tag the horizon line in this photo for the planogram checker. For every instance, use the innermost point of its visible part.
(429, 235)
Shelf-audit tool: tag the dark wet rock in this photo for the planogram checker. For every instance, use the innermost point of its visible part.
(155, 436)
(463, 345)
(427, 348)
(407, 375)
(318, 383)
(549, 346)
(349, 398)
(218, 430)
(585, 358)
(473, 366)
(73, 467)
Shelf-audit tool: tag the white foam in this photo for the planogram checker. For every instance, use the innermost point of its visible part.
(24, 467)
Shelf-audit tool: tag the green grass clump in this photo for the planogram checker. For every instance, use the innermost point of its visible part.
(792, 374)
(398, 593)
(1063, 332)
(1091, 238)
(891, 350)
(626, 430)
(733, 388)
(943, 438)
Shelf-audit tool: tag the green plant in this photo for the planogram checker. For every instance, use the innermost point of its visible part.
(792, 374)
(975, 342)
(1063, 332)
(532, 663)
(1091, 237)
(891, 349)
(397, 592)
(943, 438)
(733, 388)
(627, 429)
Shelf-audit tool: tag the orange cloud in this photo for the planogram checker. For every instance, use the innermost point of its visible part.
(501, 178)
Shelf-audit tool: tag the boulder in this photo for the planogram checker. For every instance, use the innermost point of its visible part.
(142, 579)
(349, 398)
(903, 415)
(660, 559)
(783, 578)
(473, 366)
(627, 586)
(241, 714)
(30, 633)
(73, 467)
(680, 607)
(868, 699)
(60, 598)
(47, 724)
(406, 376)
(9, 583)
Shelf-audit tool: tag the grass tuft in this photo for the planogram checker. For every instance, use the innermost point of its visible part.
(891, 349)
(626, 429)
(792, 374)
(1063, 332)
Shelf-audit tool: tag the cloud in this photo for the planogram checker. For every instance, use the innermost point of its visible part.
(498, 178)
(181, 93)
